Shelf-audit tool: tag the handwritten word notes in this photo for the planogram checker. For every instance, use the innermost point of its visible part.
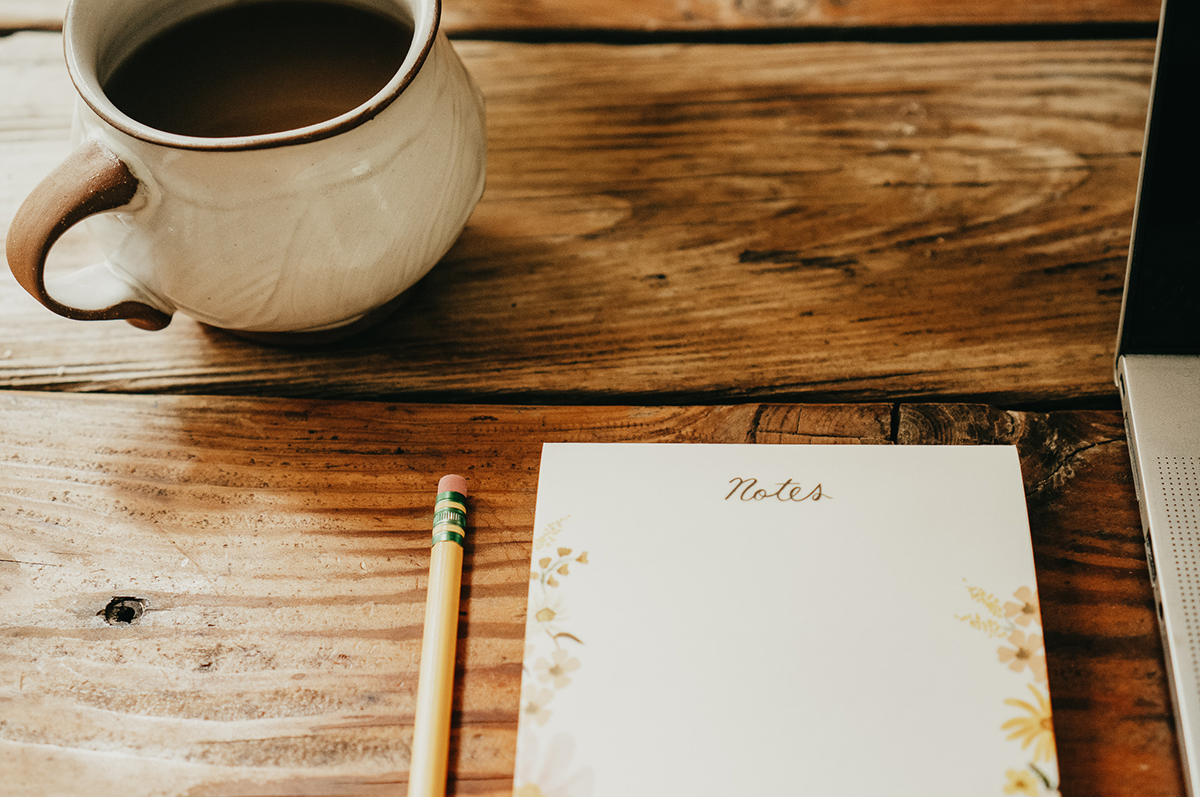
(747, 489)
(758, 619)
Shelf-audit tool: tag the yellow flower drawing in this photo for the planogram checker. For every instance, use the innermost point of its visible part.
(549, 534)
(985, 599)
(1026, 652)
(1035, 727)
(1021, 782)
(547, 613)
(1025, 610)
(556, 669)
(547, 770)
(549, 668)
(533, 703)
(989, 626)
(1016, 621)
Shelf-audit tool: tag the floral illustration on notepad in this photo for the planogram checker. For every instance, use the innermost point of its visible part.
(552, 647)
(548, 772)
(533, 703)
(1017, 623)
(1034, 728)
(1026, 652)
(1020, 781)
(557, 669)
(548, 614)
(1025, 610)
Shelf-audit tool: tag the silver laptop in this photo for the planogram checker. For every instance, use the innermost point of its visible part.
(1158, 360)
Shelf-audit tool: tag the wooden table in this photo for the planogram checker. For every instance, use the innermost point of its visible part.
(775, 221)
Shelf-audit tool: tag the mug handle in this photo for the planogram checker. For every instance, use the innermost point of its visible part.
(91, 180)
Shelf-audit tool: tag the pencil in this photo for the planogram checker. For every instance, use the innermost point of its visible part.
(435, 684)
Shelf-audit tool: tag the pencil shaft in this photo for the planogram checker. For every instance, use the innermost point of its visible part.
(435, 689)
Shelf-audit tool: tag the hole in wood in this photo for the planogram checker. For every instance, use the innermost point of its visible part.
(123, 611)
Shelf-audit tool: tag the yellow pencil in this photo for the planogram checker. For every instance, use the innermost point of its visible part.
(435, 687)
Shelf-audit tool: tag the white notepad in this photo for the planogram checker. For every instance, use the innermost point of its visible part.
(754, 619)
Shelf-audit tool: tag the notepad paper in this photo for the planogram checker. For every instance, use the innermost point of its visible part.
(755, 619)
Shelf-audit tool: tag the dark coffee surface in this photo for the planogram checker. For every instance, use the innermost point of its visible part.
(259, 68)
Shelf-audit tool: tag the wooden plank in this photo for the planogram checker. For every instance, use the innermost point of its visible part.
(722, 15)
(679, 223)
(278, 548)
(1112, 711)
(278, 551)
(706, 15)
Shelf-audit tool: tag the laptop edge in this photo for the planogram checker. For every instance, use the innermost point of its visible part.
(1157, 368)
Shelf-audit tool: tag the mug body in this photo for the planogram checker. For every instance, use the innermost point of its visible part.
(296, 231)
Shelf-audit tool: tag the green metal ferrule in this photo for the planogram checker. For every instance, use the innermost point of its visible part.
(448, 536)
(451, 517)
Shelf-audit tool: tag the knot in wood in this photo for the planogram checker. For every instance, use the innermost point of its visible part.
(123, 611)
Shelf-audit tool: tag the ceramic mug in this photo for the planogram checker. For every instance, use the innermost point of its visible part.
(312, 230)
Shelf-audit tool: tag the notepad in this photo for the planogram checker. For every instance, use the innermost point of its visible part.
(770, 619)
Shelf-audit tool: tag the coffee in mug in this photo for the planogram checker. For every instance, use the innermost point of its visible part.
(259, 68)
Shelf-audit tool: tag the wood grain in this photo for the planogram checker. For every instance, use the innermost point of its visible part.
(280, 549)
(681, 223)
(281, 553)
(460, 16)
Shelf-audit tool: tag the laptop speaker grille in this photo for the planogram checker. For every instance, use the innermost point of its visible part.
(1180, 481)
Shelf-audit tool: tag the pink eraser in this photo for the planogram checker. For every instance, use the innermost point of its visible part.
(451, 482)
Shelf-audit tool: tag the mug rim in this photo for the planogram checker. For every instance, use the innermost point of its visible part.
(88, 87)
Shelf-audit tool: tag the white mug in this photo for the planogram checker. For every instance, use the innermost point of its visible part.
(317, 230)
